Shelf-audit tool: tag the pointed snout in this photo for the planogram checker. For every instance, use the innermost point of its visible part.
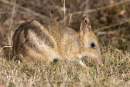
(99, 61)
(92, 61)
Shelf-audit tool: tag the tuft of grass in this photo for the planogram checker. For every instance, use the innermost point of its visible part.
(114, 73)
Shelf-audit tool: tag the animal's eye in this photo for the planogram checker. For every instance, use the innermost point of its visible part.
(92, 45)
(85, 21)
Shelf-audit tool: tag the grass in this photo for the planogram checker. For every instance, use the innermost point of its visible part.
(114, 73)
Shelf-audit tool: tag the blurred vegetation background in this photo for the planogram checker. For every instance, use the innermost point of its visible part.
(110, 18)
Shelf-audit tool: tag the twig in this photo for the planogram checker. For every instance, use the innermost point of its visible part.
(99, 9)
(12, 21)
(7, 46)
(27, 10)
(95, 10)
(64, 10)
(114, 25)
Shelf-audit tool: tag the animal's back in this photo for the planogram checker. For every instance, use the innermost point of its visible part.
(31, 41)
(67, 40)
(70, 43)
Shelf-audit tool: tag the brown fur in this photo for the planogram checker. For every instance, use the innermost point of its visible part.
(32, 41)
(77, 45)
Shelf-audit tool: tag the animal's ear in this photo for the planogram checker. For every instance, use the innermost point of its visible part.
(85, 25)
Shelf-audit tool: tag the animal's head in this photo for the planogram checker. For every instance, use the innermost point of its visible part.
(89, 42)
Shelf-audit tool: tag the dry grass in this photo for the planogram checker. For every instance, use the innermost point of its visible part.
(114, 73)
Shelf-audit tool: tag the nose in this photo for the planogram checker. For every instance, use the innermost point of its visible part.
(92, 61)
(99, 61)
